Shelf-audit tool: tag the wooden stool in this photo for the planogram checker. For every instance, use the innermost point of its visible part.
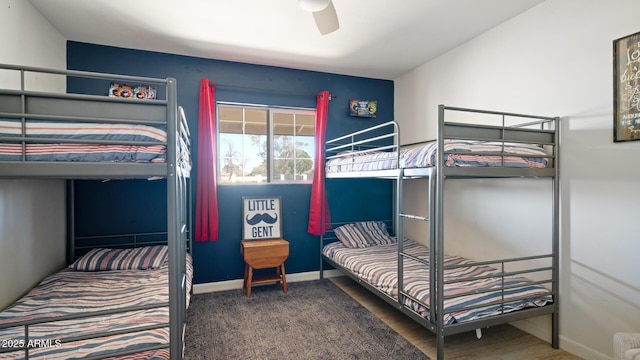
(263, 254)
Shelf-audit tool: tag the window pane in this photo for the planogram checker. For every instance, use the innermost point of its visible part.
(229, 154)
(230, 120)
(256, 158)
(255, 147)
(305, 139)
(283, 124)
(306, 125)
(242, 148)
(293, 146)
(256, 121)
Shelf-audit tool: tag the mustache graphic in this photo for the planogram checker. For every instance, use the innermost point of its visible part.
(262, 217)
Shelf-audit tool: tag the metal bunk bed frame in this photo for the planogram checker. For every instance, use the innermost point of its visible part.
(547, 135)
(24, 105)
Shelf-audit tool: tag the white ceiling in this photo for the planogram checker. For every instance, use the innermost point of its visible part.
(377, 38)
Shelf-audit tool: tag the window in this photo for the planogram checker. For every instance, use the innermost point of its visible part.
(262, 144)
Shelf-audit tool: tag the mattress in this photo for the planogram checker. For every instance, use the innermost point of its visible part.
(377, 265)
(54, 148)
(71, 292)
(465, 155)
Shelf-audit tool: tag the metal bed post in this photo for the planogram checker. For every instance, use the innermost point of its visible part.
(189, 213)
(190, 216)
(23, 120)
(432, 236)
(182, 239)
(397, 218)
(71, 221)
(437, 244)
(321, 269)
(175, 312)
(400, 234)
(555, 288)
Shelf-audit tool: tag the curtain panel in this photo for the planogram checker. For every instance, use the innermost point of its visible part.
(319, 216)
(206, 192)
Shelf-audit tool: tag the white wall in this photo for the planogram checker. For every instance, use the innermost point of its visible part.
(554, 60)
(32, 216)
(28, 38)
(32, 234)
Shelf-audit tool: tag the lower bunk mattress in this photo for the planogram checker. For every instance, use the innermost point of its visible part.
(104, 279)
(377, 265)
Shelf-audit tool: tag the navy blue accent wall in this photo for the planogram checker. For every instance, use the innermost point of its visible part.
(124, 206)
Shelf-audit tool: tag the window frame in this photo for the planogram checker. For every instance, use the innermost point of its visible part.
(271, 110)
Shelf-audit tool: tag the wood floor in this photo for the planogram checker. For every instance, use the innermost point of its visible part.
(503, 342)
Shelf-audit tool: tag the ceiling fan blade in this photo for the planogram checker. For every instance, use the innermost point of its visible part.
(327, 19)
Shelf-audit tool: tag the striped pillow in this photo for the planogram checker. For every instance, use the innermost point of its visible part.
(364, 234)
(143, 258)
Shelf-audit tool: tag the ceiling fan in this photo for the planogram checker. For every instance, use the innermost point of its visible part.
(324, 14)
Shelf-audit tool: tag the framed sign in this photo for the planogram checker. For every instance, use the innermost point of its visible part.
(626, 88)
(132, 91)
(261, 218)
(363, 108)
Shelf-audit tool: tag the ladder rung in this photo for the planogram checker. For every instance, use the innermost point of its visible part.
(405, 294)
(415, 217)
(423, 261)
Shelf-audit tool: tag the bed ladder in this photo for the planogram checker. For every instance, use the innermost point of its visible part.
(435, 319)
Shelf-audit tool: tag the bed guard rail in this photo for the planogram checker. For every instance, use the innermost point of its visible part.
(502, 275)
(383, 137)
(485, 126)
(25, 344)
(81, 244)
(25, 98)
(183, 145)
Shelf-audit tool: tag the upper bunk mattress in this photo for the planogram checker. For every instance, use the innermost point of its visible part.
(377, 265)
(465, 154)
(57, 148)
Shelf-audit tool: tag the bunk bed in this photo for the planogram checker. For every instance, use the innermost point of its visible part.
(91, 135)
(444, 293)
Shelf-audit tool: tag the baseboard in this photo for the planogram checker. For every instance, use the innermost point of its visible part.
(580, 350)
(237, 284)
(566, 344)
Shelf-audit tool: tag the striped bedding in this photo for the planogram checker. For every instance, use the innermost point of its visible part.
(63, 130)
(377, 265)
(72, 292)
(519, 155)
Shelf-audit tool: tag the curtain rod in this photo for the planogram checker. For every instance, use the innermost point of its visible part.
(331, 96)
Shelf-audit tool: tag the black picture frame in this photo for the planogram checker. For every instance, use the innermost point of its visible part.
(261, 218)
(626, 88)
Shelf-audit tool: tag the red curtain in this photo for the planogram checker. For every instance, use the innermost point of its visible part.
(319, 217)
(206, 193)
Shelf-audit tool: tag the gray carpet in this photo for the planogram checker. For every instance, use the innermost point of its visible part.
(313, 320)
